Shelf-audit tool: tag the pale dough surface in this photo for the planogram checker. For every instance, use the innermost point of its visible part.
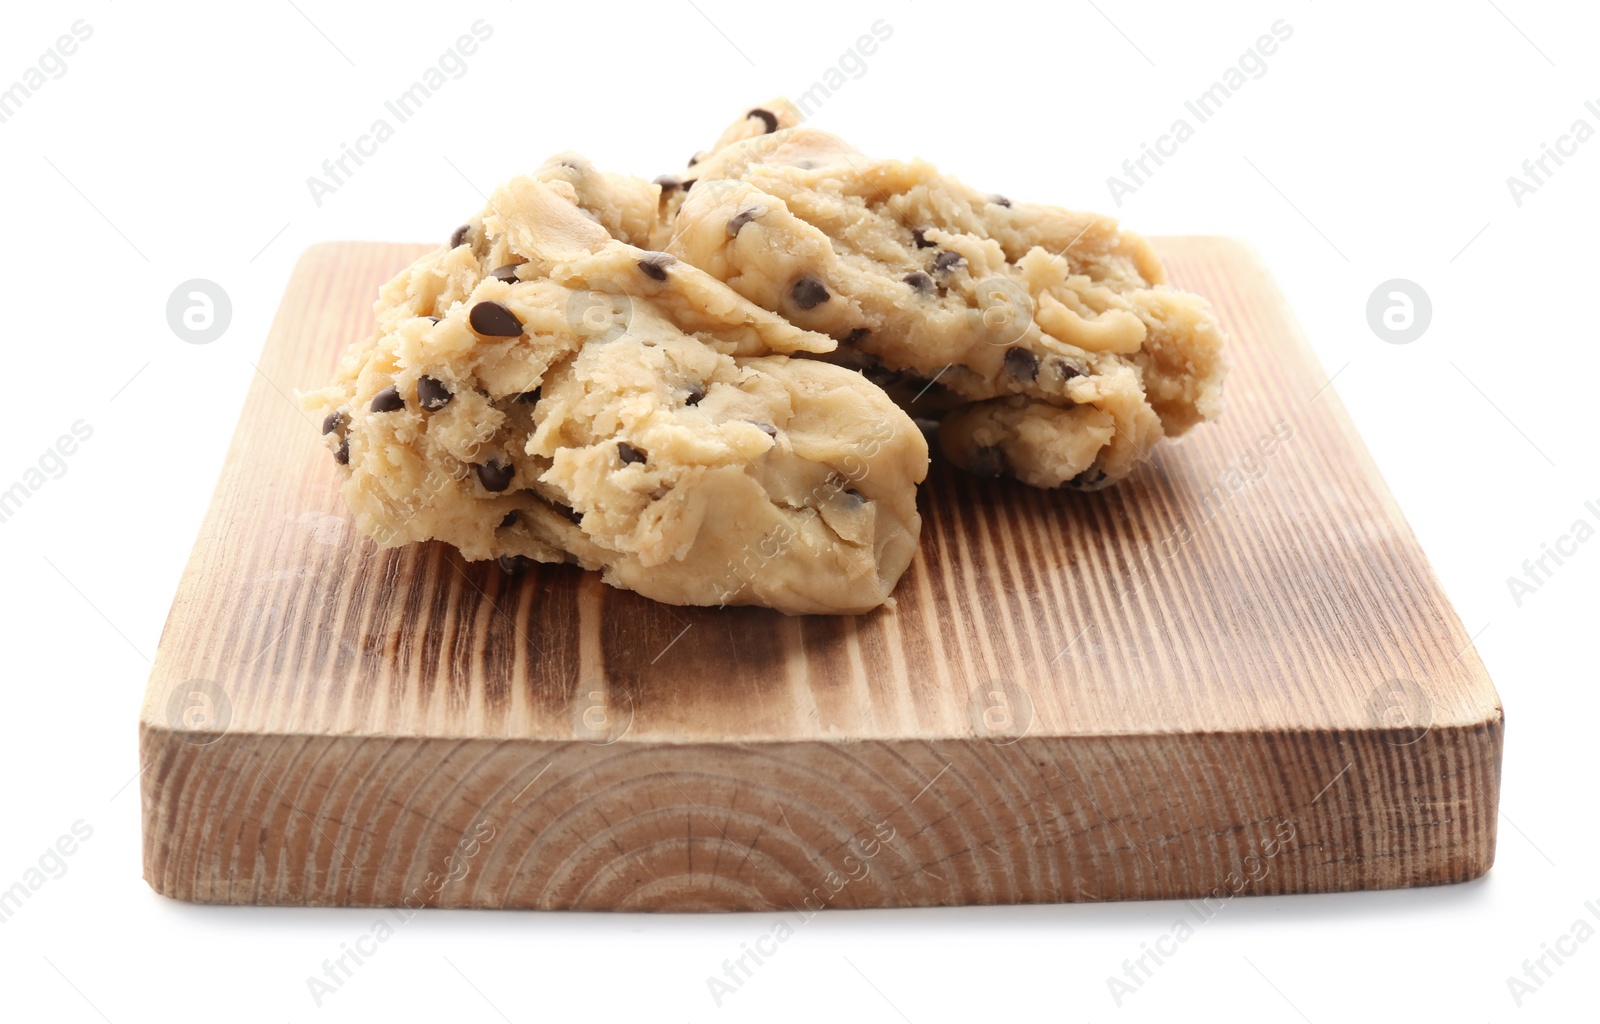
(1045, 339)
(546, 390)
(703, 386)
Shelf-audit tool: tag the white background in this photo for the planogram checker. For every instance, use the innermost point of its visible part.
(1377, 145)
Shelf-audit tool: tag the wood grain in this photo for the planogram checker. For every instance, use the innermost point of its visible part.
(1234, 672)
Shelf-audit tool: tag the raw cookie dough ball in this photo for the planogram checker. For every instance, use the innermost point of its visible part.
(967, 296)
(538, 389)
(720, 480)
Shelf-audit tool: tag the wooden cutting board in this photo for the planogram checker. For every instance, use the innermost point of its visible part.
(1233, 674)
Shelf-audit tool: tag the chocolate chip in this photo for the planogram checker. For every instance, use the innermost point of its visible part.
(988, 461)
(742, 218)
(495, 475)
(688, 184)
(1022, 364)
(335, 420)
(530, 397)
(512, 564)
(507, 273)
(459, 235)
(694, 159)
(1067, 370)
(668, 182)
(1000, 200)
(433, 394)
(856, 335)
(655, 265)
(767, 116)
(922, 243)
(387, 400)
(695, 393)
(567, 512)
(492, 320)
(809, 292)
(1089, 480)
(947, 260)
(342, 456)
(629, 454)
(766, 428)
(918, 280)
(510, 519)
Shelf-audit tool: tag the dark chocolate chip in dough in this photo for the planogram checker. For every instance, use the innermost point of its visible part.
(655, 265)
(922, 243)
(629, 454)
(512, 564)
(335, 420)
(1022, 364)
(492, 320)
(530, 397)
(766, 116)
(509, 519)
(387, 400)
(1067, 370)
(495, 475)
(694, 394)
(919, 280)
(947, 260)
(459, 235)
(433, 394)
(694, 159)
(988, 461)
(742, 218)
(856, 335)
(1089, 480)
(689, 183)
(507, 273)
(435, 319)
(668, 182)
(1000, 200)
(567, 512)
(342, 455)
(766, 428)
(808, 293)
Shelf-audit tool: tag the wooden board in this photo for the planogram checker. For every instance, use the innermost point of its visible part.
(1234, 673)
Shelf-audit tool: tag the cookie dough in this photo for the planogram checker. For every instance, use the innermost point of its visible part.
(542, 389)
(1045, 340)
